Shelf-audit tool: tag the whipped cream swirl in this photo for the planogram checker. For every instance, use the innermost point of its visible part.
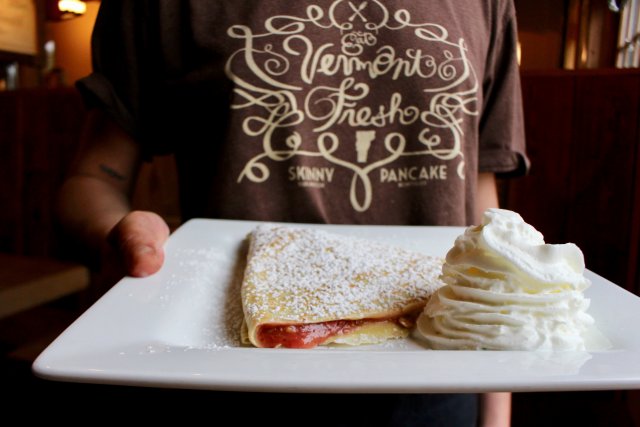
(508, 290)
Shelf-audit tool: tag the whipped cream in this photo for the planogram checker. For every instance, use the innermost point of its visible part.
(508, 290)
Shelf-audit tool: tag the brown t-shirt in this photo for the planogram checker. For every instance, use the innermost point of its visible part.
(335, 111)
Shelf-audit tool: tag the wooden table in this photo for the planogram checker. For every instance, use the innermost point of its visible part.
(26, 282)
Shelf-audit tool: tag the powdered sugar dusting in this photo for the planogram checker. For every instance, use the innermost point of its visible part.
(215, 310)
(307, 275)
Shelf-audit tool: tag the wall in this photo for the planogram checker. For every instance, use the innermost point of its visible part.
(541, 31)
(73, 43)
(541, 26)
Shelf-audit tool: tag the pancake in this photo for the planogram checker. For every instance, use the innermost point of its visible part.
(304, 287)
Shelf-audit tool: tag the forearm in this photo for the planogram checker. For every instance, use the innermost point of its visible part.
(486, 195)
(96, 195)
(495, 410)
(89, 208)
(94, 202)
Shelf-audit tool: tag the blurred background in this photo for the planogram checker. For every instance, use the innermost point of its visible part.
(581, 87)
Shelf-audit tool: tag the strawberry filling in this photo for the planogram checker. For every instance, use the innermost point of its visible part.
(309, 335)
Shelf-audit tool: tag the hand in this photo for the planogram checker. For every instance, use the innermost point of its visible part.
(137, 240)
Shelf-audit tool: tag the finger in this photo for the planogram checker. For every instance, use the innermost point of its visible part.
(140, 237)
(143, 260)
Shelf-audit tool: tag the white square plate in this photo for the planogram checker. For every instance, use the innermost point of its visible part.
(179, 328)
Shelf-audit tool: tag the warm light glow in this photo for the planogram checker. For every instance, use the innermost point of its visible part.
(584, 55)
(76, 7)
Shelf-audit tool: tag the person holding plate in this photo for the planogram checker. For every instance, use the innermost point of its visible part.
(322, 111)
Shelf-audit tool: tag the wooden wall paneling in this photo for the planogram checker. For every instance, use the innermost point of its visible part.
(633, 270)
(601, 187)
(39, 133)
(66, 114)
(590, 36)
(541, 28)
(11, 181)
(602, 38)
(572, 32)
(38, 162)
(540, 196)
(69, 114)
(51, 141)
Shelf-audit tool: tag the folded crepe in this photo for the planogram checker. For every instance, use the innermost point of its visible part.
(304, 287)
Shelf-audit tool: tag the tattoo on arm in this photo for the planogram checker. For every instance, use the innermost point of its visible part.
(112, 172)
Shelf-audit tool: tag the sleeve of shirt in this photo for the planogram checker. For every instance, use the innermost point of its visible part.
(502, 141)
(125, 68)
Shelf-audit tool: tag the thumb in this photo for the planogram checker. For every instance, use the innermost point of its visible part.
(139, 237)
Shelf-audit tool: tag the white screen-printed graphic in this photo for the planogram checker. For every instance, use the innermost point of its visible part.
(329, 69)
